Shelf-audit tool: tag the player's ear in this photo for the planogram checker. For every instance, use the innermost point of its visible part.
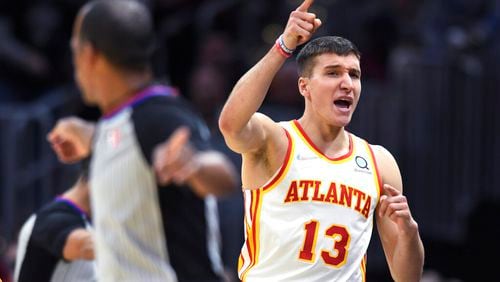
(303, 84)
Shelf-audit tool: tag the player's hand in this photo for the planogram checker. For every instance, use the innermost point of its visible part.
(394, 205)
(175, 160)
(301, 25)
(71, 139)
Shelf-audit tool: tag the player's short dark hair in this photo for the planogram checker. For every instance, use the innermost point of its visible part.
(122, 30)
(324, 45)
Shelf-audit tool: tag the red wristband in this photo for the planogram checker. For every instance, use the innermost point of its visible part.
(281, 51)
(286, 52)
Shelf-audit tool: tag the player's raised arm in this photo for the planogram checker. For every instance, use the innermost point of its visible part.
(243, 130)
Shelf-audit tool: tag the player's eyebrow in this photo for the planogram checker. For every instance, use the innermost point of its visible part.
(353, 70)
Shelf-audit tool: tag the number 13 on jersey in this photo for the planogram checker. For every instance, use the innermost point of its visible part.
(337, 255)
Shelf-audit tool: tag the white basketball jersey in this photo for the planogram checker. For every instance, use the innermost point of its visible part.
(313, 220)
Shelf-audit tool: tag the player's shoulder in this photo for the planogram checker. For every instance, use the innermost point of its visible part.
(380, 150)
(382, 155)
(385, 160)
(377, 149)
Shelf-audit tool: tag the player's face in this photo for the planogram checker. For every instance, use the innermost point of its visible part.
(333, 88)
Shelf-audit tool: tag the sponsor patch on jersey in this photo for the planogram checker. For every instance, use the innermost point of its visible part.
(362, 165)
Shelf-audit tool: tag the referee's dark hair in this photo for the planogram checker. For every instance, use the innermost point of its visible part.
(122, 30)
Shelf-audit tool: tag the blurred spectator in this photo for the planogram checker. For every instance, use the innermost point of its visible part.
(373, 28)
(217, 50)
(379, 34)
(457, 31)
(481, 242)
(208, 89)
(216, 68)
(7, 259)
(177, 39)
(34, 49)
(5, 271)
(284, 101)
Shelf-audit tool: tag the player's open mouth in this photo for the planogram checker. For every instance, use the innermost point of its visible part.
(343, 103)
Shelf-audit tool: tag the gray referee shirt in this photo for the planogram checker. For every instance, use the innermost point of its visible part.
(145, 232)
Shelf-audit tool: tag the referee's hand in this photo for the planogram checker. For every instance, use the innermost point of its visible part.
(175, 160)
(71, 139)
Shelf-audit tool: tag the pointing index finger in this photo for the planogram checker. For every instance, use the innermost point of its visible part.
(305, 5)
(179, 138)
(391, 191)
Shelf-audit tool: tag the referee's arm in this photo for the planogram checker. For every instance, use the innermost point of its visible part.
(216, 175)
(206, 172)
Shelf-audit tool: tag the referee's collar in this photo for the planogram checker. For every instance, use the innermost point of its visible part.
(141, 96)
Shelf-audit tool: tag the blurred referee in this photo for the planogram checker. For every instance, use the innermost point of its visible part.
(154, 212)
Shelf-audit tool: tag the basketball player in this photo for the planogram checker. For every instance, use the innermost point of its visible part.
(55, 243)
(144, 232)
(311, 188)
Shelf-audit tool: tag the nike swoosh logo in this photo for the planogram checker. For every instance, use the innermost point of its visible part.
(305, 158)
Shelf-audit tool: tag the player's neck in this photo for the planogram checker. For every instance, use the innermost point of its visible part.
(333, 141)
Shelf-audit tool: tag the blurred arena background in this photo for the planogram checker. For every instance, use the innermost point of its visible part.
(431, 93)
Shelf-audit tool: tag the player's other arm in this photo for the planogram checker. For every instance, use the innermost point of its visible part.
(79, 245)
(243, 129)
(398, 230)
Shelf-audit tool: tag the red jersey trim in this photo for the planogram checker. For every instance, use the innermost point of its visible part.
(284, 167)
(374, 160)
(255, 231)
